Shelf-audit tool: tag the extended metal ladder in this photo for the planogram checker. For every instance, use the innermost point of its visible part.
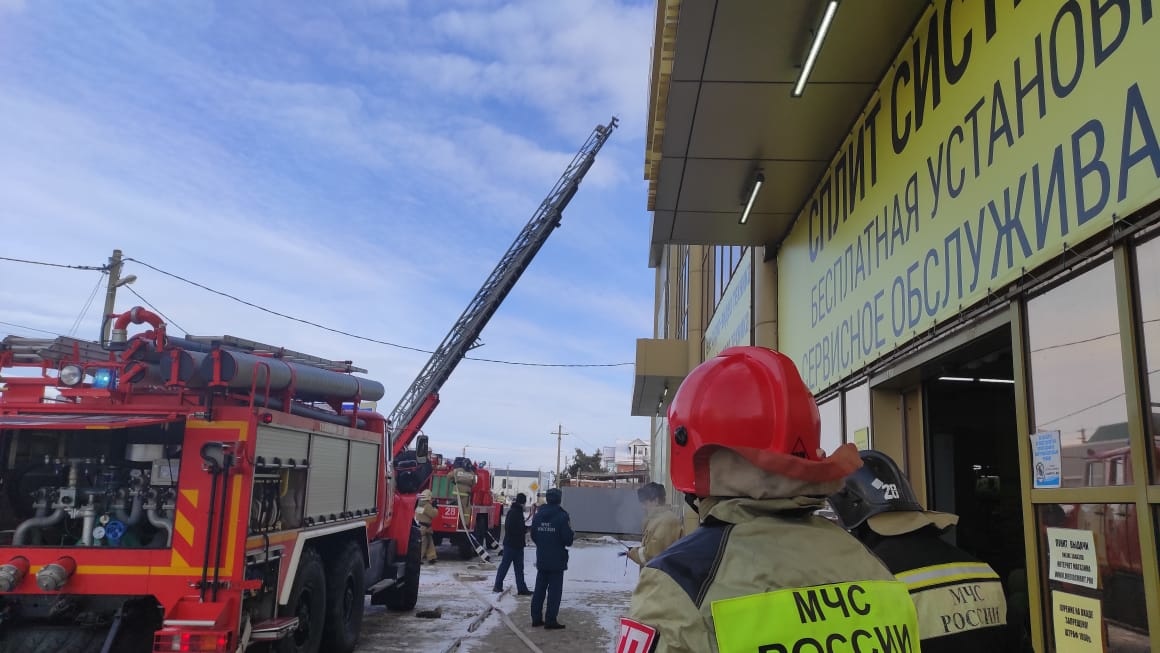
(420, 399)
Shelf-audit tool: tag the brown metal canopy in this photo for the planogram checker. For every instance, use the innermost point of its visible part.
(720, 107)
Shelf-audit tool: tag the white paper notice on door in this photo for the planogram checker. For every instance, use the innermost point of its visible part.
(1073, 557)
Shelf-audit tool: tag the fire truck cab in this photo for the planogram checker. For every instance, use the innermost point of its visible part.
(193, 494)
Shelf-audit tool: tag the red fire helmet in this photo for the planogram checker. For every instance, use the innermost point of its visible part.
(750, 400)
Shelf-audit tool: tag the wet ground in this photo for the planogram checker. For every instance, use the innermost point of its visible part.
(597, 590)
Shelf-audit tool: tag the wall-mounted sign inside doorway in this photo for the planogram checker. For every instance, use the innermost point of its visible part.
(1046, 461)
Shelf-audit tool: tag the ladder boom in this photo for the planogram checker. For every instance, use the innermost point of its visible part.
(419, 401)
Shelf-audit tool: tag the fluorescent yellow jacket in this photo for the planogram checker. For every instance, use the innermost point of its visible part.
(752, 548)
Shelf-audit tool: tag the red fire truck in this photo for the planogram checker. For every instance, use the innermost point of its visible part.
(461, 490)
(193, 494)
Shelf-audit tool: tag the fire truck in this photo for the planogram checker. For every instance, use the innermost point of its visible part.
(193, 494)
(469, 515)
(1116, 534)
(217, 494)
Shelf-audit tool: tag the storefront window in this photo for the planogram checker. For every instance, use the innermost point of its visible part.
(858, 415)
(1092, 573)
(831, 412)
(1077, 376)
(1148, 274)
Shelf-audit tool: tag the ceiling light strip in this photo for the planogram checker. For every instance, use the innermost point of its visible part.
(815, 47)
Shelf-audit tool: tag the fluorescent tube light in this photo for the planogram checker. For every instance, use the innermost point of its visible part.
(815, 47)
(757, 182)
(956, 378)
(997, 380)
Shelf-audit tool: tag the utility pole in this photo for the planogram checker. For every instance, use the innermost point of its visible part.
(114, 280)
(559, 439)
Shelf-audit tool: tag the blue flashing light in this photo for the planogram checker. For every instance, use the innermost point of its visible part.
(105, 379)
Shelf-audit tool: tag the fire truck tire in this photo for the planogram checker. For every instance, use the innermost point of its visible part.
(52, 639)
(404, 598)
(345, 597)
(308, 603)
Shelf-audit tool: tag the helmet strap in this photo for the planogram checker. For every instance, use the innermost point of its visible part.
(691, 500)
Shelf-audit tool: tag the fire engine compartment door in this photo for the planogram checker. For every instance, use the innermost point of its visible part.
(70, 422)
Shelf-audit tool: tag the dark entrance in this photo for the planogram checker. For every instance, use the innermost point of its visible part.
(972, 450)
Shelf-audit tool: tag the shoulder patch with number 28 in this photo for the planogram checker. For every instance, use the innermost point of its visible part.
(636, 637)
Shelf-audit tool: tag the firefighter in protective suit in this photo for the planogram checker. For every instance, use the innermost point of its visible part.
(662, 526)
(960, 601)
(761, 572)
(425, 513)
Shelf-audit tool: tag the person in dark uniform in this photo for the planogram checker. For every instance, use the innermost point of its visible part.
(960, 600)
(552, 533)
(514, 531)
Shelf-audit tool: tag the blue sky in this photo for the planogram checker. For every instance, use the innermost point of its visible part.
(359, 163)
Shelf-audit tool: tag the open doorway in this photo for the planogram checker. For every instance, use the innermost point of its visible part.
(972, 449)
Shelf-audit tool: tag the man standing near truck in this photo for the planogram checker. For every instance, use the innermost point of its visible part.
(552, 533)
(514, 536)
(425, 513)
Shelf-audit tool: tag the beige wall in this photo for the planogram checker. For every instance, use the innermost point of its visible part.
(896, 425)
(764, 300)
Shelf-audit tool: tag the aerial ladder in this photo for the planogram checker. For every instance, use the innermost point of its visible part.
(420, 400)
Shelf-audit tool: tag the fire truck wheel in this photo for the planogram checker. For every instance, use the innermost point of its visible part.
(52, 639)
(405, 597)
(308, 603)
(345, 595)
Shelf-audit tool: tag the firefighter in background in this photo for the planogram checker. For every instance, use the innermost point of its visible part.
(662, 526)
(960, 601)
(744, 435)
(425, 513)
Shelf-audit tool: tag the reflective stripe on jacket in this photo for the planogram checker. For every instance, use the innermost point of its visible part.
(960, 601)
(745, 547)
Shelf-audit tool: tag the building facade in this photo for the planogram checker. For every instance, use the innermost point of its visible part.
(946, 213)
(507, 483)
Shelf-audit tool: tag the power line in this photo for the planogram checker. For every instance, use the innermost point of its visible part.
(1095, 405)
(85, 309)
(1086, 340)
(1081, 410)
(92, 268)
(354, 335)
(155, 309)
(28, 328)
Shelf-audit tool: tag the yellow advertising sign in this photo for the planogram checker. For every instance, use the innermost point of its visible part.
(732, 322)
(1003, 133)
(1078, 623)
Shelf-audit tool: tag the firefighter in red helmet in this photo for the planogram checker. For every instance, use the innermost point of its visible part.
(761, 572)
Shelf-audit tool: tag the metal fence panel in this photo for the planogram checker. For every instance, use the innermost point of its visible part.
(601, 510)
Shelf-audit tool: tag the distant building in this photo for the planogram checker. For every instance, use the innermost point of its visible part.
(507, 483)
(632, 455)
